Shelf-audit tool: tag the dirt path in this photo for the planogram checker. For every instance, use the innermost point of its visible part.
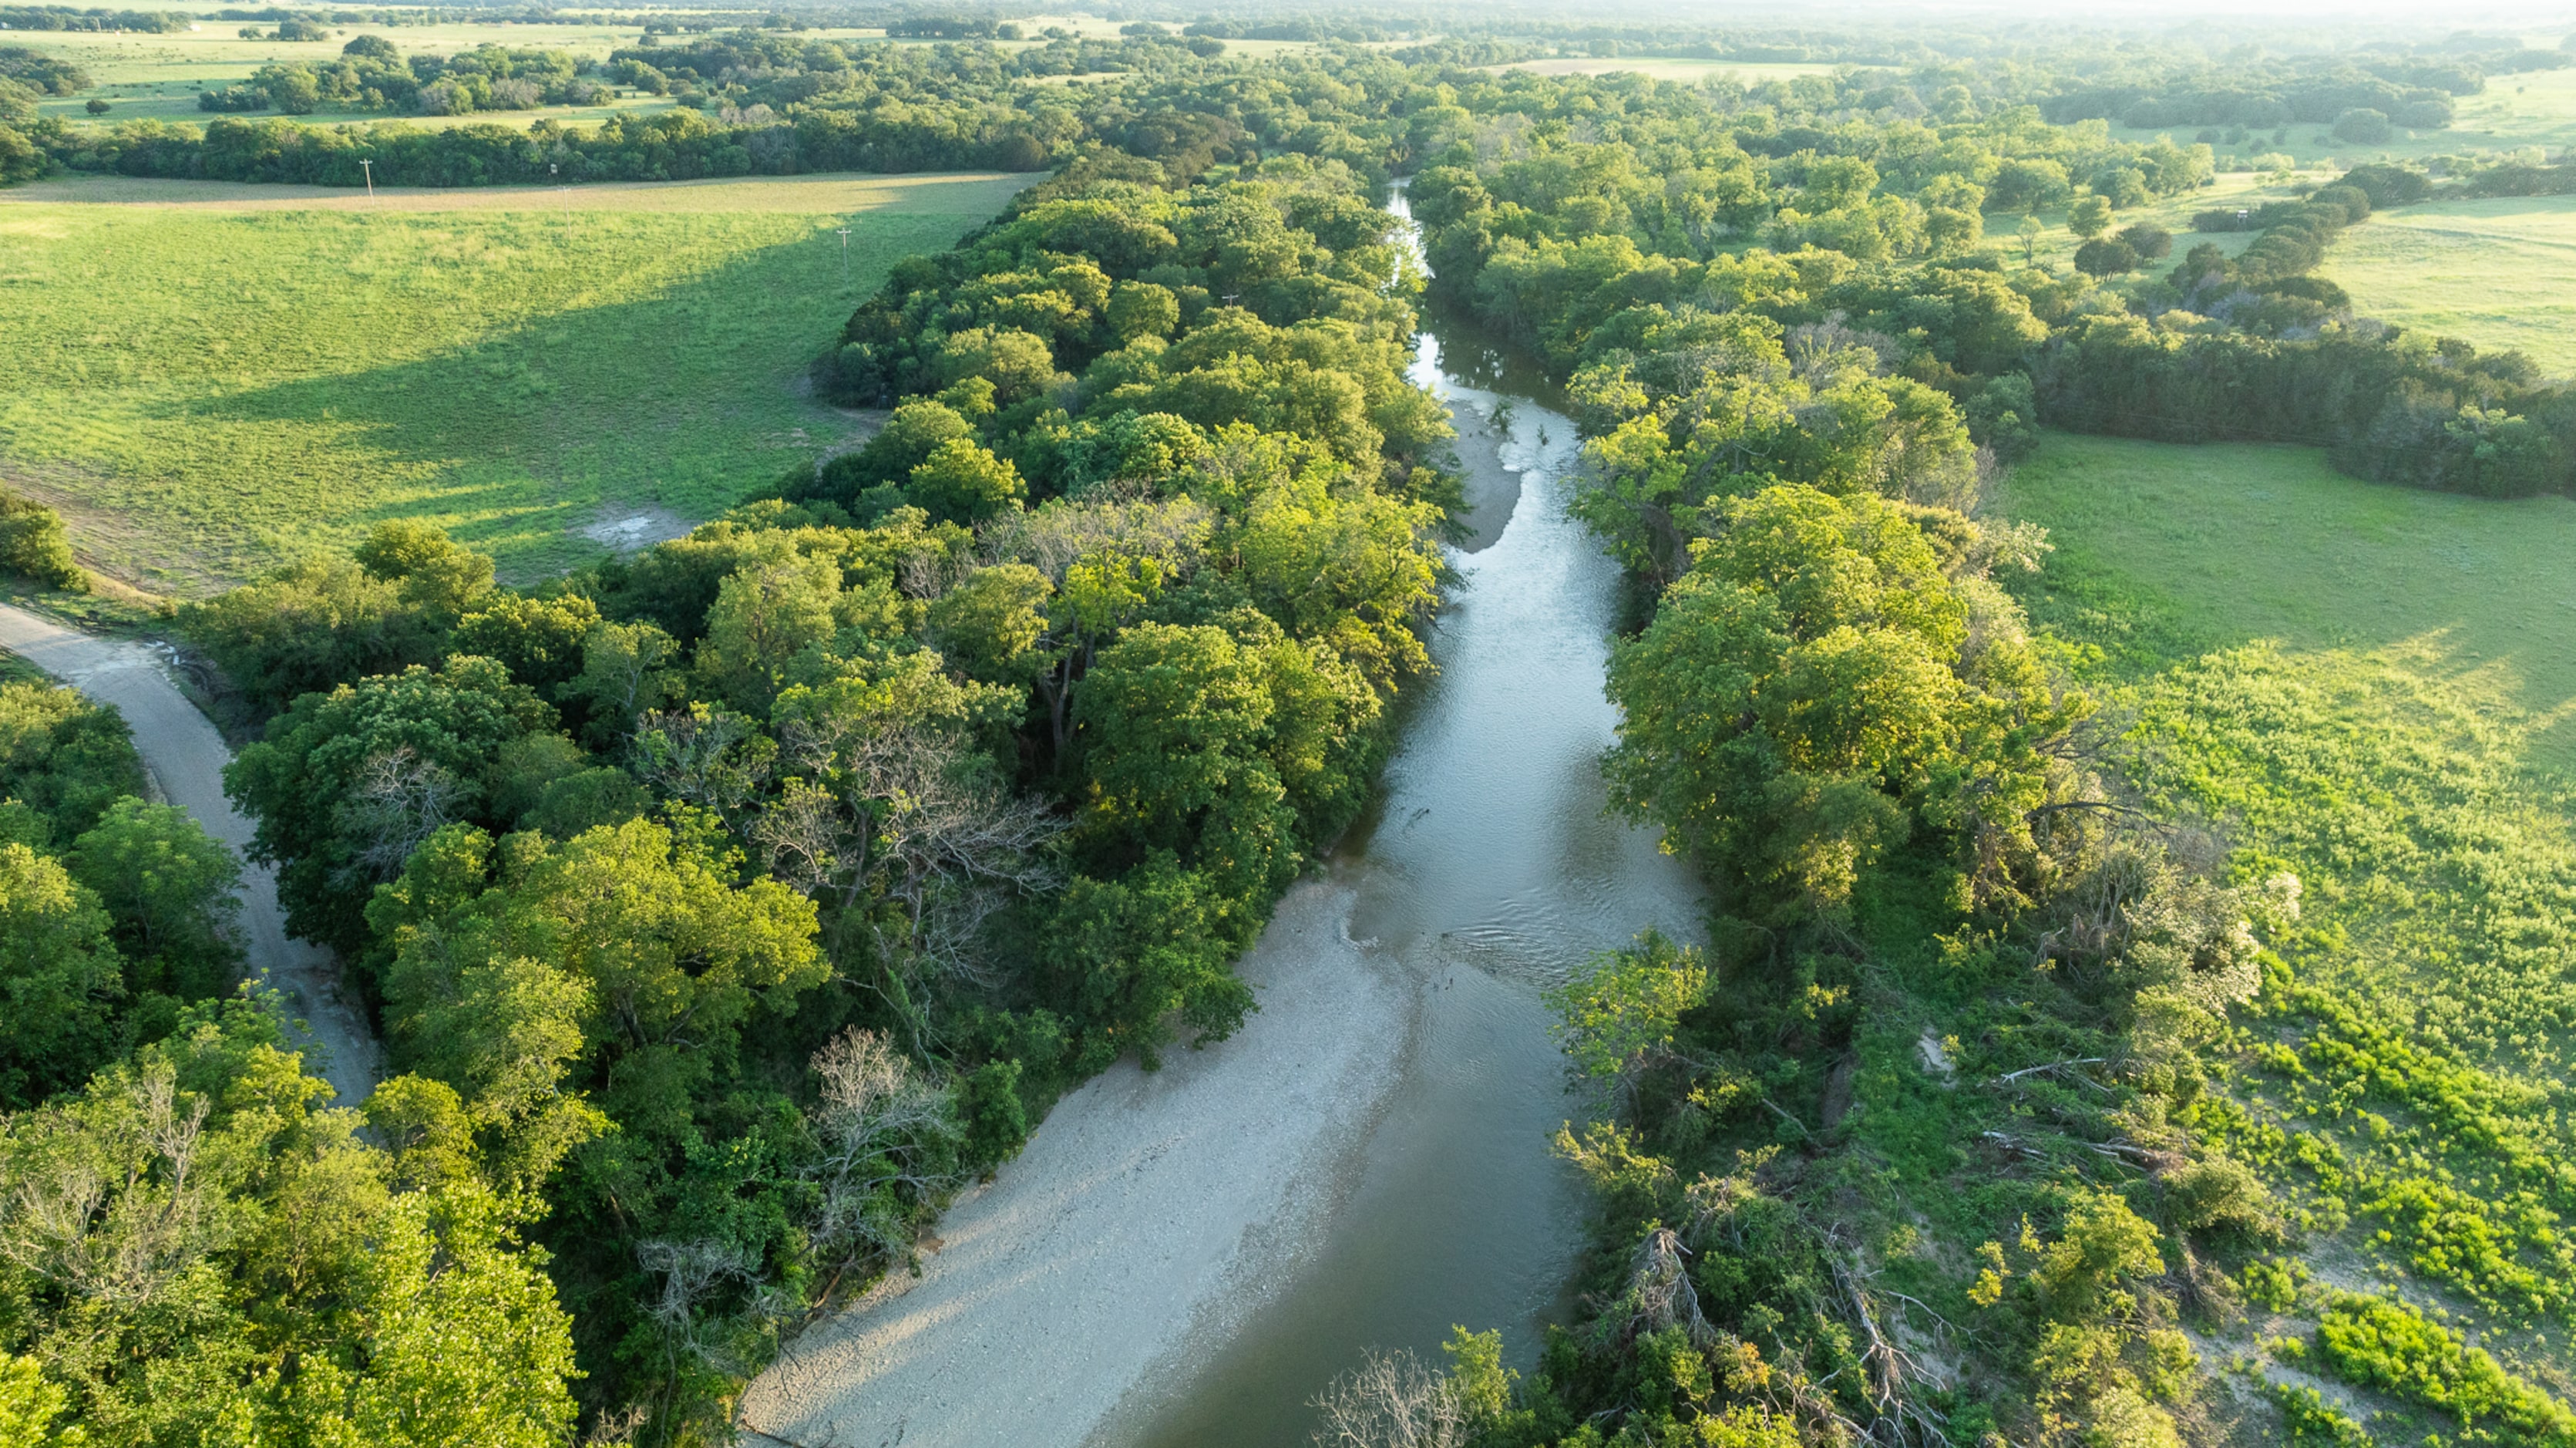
(185, 758)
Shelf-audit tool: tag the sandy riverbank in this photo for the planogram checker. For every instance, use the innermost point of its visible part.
(1145, 1203)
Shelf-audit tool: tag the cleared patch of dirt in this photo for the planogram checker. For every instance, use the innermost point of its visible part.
(624, 529)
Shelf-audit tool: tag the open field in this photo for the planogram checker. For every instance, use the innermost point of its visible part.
(2501, 273)
(2536, 108)
(216, 378)
(2211, 547)
(2369, 688)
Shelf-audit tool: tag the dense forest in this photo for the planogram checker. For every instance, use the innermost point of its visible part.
(728, 907)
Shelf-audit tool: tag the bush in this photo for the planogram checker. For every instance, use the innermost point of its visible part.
(34, 545)
(2105, 257)
(2363, 127)
(2147, 239)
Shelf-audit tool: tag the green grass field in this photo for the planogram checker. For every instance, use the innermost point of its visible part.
(2371, 688)
(210, 379)
(2172, 551)
(2500, 273)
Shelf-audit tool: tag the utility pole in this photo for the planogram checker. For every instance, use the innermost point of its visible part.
(845, 256)
(370, 168)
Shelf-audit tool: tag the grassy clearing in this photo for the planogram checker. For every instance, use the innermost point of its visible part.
(2500, 273)
(2367, 687)
(212, 386)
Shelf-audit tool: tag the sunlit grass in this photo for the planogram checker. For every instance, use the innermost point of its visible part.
(2499, 273)
(210, 389)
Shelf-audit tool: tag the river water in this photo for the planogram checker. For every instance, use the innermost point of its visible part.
(1489, 873)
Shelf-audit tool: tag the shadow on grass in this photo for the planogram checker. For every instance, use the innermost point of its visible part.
(685, 400)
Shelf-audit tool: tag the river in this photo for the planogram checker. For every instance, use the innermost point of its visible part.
(1190, 1257)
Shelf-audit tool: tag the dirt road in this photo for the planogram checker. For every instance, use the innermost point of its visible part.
(186, 759)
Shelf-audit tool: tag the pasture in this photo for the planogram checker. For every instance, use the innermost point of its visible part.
(2167, 551)
(211, 379)
(2368, 687)
(2501, 273)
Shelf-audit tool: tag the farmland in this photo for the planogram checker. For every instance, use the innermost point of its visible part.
(217, 384)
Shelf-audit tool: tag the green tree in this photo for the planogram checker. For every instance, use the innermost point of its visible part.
(60, 979)
(962, 482)
(169, 887)
(348, 783)
(34, 545)
(2089, 216)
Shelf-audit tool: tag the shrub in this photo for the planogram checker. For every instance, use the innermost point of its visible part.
(2363, 127)
(2105, 257)
(34, 545)
(2147, 239)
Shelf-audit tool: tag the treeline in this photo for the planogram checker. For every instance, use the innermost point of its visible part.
(65, 17)
(2277, 362)
(371, 74)
(1925, 1144)
(727, 907)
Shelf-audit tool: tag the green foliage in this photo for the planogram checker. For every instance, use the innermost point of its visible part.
(242, 1266)
(2381, 1343)
(33, 545)
(169, 889)
(59, 978)
(347, 784)
(1804, 701)
(63, 757)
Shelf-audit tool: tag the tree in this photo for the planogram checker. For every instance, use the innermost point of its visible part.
(2148, 240)
(2029, 233)
(60, 979)
(1175, 726)
(2103, 257)
(2362, 126)
(169, 887)
(64, 758)
(1143, 309)
(764, 617)
(2089, 217)
(348, 783)
(200, 1255)
(962, 482)
(34, 545)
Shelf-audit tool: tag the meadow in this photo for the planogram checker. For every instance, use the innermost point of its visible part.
(213, 379)
(2501, 273)
(2368, 687)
